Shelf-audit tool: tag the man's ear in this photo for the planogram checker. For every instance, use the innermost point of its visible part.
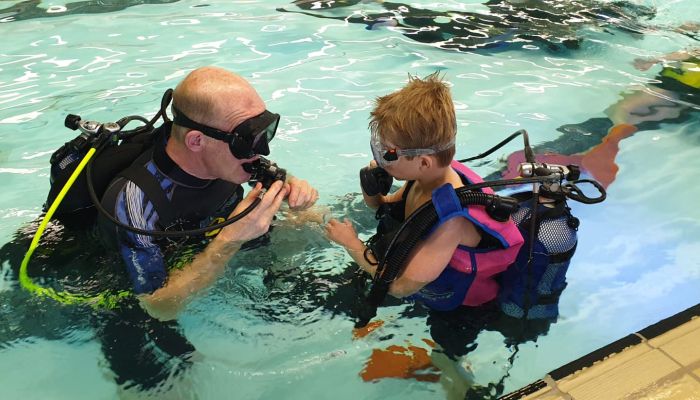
(194, 140)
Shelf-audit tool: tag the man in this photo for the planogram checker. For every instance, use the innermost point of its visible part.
(190, 179)
(193, 167)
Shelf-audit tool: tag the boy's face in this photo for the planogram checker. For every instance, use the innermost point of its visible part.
(404, 169)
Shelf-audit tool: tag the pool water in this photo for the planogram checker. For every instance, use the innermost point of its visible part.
(278, 323)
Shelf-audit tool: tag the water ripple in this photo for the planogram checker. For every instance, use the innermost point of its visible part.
(290, 301)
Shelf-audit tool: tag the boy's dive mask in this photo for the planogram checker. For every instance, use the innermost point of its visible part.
(384, 156)
(247, 140)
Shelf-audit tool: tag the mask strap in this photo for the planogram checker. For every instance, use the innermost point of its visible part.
(181, 119)
(164, 102)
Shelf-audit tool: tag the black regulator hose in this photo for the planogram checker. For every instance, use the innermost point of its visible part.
(421, 221)
(498, 146)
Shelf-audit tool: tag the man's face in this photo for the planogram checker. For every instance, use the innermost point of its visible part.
(223, 164)
(228, 167)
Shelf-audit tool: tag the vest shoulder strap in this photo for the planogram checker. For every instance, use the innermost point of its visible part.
(447, 204)
(151, 187)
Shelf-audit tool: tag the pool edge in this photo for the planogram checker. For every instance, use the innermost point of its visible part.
(600, 355)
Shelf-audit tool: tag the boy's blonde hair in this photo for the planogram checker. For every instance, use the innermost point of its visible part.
(419, 116)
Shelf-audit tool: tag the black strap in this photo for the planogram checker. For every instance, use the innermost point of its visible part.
(151, 187)
(562, 257)
(545, 212)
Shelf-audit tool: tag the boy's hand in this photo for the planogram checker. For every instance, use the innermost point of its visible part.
(344, 234)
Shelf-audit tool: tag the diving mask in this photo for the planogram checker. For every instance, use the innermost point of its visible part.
(384, 156)
(249, 138)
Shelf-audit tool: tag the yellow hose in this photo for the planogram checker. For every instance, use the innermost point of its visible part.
(105, 299)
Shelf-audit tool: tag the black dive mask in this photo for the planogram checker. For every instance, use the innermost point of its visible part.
(248, 139)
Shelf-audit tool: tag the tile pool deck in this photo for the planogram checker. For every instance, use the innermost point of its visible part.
(659, 362)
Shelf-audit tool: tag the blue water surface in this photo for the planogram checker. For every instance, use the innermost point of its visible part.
(276, 325)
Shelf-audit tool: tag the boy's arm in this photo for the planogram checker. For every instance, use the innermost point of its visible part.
(365, 259)
(343, 233)
(427, 260)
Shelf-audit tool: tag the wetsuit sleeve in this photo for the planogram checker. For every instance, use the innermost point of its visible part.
(143, 258)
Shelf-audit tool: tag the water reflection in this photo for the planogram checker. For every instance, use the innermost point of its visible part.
(30, 9)
(142, 353)
(551, 24)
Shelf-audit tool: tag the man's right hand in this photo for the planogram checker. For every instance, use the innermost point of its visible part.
(257, 221)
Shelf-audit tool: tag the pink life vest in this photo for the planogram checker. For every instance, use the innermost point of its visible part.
(469, 278)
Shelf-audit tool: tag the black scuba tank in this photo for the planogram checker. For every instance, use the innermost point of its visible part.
(77, 204)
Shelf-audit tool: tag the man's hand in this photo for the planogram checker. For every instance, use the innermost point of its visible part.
(165, 302)
(257, 221)
(301, 194)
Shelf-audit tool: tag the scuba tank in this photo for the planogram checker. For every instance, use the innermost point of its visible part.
(530, 288)
(116, 156)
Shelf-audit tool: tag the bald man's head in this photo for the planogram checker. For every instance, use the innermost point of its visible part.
(216, 97)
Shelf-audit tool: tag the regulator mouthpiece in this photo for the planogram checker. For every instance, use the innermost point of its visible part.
(375, 181)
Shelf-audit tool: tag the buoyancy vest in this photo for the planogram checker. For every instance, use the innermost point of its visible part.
(530, 288)
(181, 201)
(469, 277)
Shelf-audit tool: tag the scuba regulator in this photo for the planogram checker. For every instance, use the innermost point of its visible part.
(375, 180)
(264, 171)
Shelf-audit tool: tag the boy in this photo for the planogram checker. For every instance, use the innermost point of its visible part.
(452, 269)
